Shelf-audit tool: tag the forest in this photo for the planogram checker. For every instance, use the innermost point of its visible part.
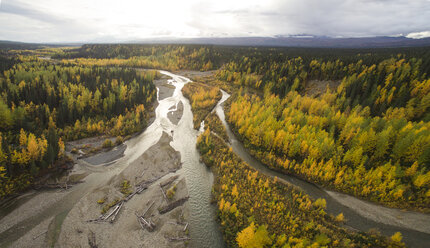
(369, 136)
(351, 120)
(43, 105)
(257, 211)
(203, 99)
(354, 120)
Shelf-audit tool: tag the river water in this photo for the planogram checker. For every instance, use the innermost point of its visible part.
(360, 215)
(204, 230)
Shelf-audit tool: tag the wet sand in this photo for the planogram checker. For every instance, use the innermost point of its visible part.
(165, 89)
(176, 113)
(107, 157)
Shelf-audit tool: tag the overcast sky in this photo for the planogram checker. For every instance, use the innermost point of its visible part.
(122, 20)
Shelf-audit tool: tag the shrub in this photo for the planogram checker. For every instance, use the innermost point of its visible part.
(171, 192)
(107, 143)
(119, 140)
(125, 187)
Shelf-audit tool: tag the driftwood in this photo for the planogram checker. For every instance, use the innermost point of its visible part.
(106, 216)
(145, 224)
(116, 212)
(169, 181)
(164, 194)
(185, 228)
(143, 215)
(130, 196)
(140, 188)
(92, 240)
(173, 205)
(40, 234)
(113, 213)
(177, 238)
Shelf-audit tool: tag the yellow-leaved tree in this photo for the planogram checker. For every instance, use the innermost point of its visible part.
(252, 238)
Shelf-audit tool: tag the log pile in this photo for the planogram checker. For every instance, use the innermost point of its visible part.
(138, 189)
(172, 205)
(146, 223)
(110, 215)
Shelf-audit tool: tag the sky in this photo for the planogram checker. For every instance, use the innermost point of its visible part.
(128, 20)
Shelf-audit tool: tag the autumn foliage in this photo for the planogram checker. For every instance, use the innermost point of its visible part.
(257, 211)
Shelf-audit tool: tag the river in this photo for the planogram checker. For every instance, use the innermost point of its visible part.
(359, 214)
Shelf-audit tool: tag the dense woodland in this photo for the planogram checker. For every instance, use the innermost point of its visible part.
(257, 211)
(168, 57)
(42, 105)
(370, 136)
(203, 99)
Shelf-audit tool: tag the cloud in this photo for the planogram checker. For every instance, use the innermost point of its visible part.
(109, 20)
(419, 35)
(16, 8)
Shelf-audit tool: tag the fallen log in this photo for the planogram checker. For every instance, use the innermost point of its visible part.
(164, 194)
(177, 238)
(139, 189)
(173, 205)
(185, 228)
(169, 181)
(130, 196)
(40, 234)
(143, 215)
(150, 226)
(140, 222)
(111, 212)
(116, 213)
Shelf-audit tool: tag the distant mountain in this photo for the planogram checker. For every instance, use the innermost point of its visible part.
(327, 42)
(8, 45)
(12, 45)
(324, 42)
